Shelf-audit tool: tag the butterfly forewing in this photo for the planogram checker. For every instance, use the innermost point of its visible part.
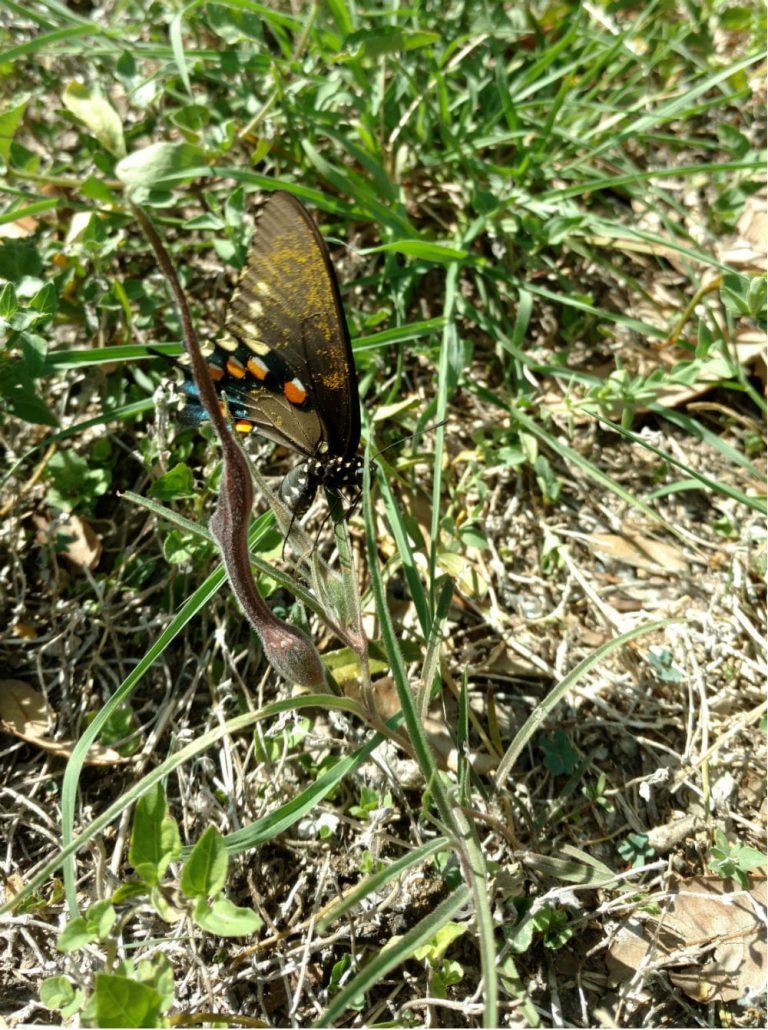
(286, 328)
(284, 364)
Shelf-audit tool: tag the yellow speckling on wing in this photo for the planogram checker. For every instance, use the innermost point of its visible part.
(287, 297)
(334, 379)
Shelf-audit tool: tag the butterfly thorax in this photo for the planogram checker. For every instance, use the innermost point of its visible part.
(299, 487)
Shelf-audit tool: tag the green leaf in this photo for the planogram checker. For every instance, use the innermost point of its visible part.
(226, 250)
(10, 120)
(165, 907)
(559, 756)
(420, 38)
(465, 575)
(435, 949)
(157, 972)
(45, 301)
(76, 934)
(232, 25)
(448, 974)
(96, 189)
(439, 252)
(8, 302)
(98, 115)
(155, 839)
(205, 871)
(373, 43)
(738, 17)
(176, 36)
(128, 892)
(339, 971)
(472, 537)
(56, 992)
(732, 860)
(192, 120)
(389, 39)
(174, 484)
(124, 1002)
(30, 408)
(740, 294)
(180, 547)
(160, 161)
(119, 731)
(33, 350)
(636, 849)
(339, 11)
(749, 858)
(662, 662)
(757, 296)
(391, 411)
(74, 483)
(100, 918)
(520, 937)
(553, 924)
(225, 919)
(234, 208)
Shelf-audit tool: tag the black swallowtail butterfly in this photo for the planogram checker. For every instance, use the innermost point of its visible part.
(284, 365)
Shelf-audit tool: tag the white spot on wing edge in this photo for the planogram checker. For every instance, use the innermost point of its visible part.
(255, 345)
(228, 343)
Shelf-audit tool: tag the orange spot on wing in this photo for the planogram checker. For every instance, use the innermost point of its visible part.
(257, 369)
(241, 426)
(295, 393)
(215, 373)
(235, 368)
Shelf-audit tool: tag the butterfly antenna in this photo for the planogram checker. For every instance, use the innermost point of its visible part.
(411, 436)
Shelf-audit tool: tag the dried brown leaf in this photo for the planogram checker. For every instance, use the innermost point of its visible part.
(707, 918)
(639, 551)
(25, 714)
(709, 911)
(75, 539)
(19, 229)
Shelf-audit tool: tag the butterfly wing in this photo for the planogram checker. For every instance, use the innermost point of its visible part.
(284, 363)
